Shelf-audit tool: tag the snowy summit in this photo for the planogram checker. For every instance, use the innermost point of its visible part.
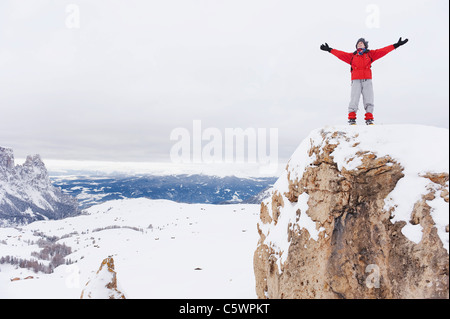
(349, 197)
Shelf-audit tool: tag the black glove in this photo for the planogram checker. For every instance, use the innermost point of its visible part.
(325, 47)
(400, 42)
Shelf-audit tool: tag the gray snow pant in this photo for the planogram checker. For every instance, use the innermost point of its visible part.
(365, 88)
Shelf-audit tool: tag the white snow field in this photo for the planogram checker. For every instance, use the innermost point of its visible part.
(161, 249)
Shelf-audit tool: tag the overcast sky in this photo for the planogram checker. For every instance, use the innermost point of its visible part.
(113, 85)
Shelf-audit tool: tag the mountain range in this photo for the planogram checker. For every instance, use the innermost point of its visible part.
(197, 188)
(27, 194)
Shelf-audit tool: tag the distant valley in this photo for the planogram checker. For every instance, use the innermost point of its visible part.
(205, 189)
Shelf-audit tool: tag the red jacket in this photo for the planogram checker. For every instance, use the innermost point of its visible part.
(361, 64)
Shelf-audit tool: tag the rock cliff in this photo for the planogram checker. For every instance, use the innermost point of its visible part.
(359, 212)
(26, 193)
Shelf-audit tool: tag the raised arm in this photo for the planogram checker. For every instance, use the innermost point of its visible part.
(379, 53)
(344, 56)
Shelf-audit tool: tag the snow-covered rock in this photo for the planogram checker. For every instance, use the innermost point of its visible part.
(26, 193)
(359, 212)
(104, 284)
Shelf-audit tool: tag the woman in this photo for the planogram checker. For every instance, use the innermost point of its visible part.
(361, 63)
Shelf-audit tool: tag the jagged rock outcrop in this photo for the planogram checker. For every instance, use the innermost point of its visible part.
(104, 284)
(26, 193)
(358, 213)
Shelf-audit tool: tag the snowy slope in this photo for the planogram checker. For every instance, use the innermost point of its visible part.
(161, 249)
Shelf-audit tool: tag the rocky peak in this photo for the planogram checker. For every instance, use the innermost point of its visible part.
(104, 284)
(34, 170)
(358, 213)
(35, 161)
(26, 193)
(6, 159)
